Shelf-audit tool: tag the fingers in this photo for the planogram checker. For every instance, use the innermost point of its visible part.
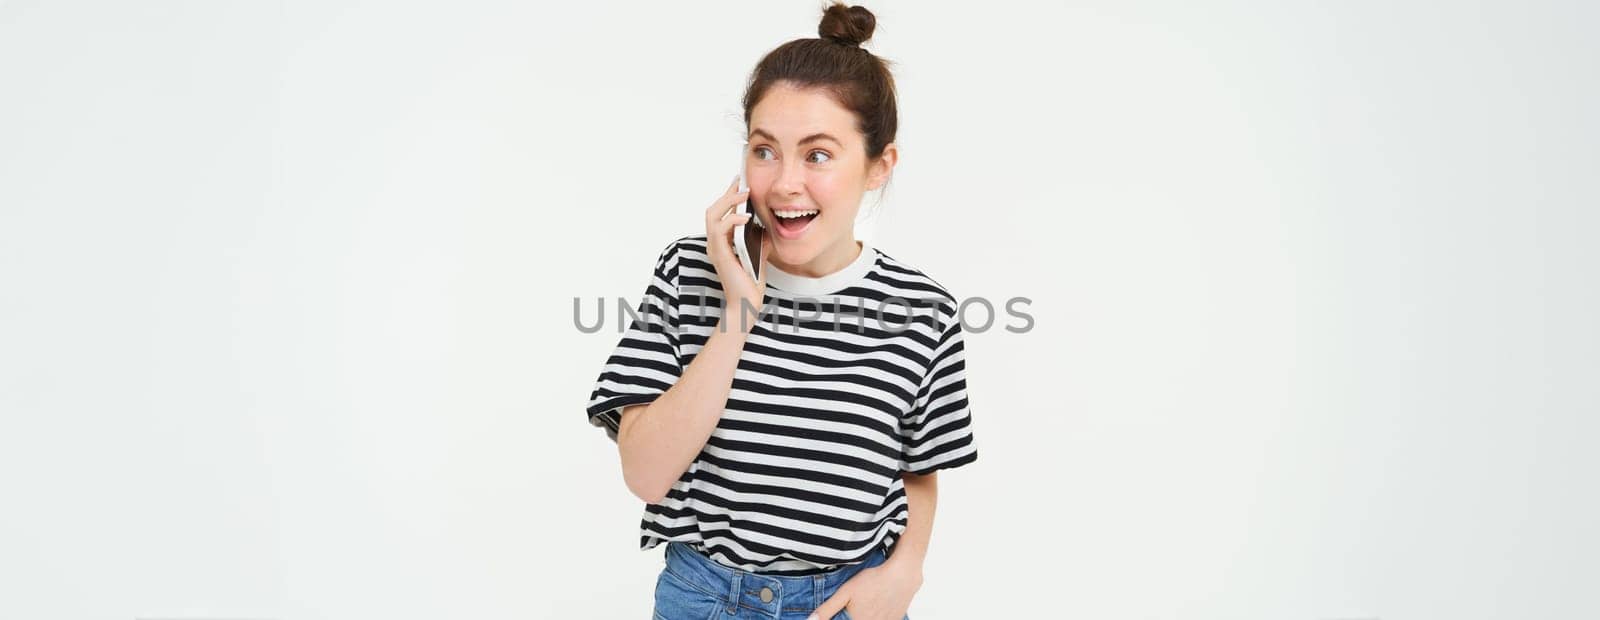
(719, 237)
(719, 227)
(829, 608)
(724, 226)
(725, 203)
(720, 230)
(726, 230)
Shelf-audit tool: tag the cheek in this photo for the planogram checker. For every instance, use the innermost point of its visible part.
(840, 197)
(760, 182)
(828, 191)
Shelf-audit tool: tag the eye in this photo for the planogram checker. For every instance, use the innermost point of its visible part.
(759, 150)
(822, 153)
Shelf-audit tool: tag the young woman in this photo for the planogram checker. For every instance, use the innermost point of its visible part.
(788, 459)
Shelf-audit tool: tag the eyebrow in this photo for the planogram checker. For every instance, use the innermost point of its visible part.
(811, 138)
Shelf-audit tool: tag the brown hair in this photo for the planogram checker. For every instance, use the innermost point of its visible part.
(836, 63)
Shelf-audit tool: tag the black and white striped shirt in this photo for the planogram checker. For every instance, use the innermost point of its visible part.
(846, 381)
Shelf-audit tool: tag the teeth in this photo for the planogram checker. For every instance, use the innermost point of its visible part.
(794, 214)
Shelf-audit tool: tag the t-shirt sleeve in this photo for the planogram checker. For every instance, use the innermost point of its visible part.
(938, 433)
(646, 361)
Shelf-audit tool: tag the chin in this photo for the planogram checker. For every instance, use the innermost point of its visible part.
(794, 253)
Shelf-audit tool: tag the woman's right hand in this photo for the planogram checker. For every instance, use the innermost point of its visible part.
(738, 288)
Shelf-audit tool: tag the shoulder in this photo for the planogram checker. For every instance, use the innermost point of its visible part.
(685, 245)
(690, 248)
(912, 282)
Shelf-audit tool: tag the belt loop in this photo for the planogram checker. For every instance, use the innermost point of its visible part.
(733, 594)
(819, 586)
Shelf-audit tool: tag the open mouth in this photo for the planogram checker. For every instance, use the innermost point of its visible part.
(791, 223)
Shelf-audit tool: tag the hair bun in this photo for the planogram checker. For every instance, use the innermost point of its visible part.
(850, 25)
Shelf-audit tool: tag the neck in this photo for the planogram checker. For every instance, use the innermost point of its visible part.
(831, 260)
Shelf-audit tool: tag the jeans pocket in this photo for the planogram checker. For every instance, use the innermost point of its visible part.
(677, 599)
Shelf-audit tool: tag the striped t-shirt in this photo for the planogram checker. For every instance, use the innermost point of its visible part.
(845, 382)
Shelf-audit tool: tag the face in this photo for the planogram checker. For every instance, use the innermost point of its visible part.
(807, 169)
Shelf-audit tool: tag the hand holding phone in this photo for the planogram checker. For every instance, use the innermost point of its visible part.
(730, 244)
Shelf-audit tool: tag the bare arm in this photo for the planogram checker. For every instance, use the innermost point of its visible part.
(922, 496)
(659, 440)
(886, 590)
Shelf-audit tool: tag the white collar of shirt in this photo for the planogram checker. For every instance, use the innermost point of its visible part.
(824, 285)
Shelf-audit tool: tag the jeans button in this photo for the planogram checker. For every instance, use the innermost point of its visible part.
(766, 595)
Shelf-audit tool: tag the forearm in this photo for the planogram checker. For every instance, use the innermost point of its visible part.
(658, 441)
(922, 497)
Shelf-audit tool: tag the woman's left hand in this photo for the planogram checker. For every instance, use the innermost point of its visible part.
(882, 592)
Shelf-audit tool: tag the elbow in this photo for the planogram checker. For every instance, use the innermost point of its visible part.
(644, 488)
(640, 482)
(650, 496)
(642, 477)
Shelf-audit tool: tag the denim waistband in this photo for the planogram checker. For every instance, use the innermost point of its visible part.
(744, 588)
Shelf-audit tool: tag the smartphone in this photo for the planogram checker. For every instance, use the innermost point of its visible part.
(747, 236)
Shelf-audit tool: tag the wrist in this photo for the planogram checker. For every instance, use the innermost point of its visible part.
(729, 330)
(739, 316)
(906, 564)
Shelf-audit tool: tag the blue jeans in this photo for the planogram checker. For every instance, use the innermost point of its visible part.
(695, 587)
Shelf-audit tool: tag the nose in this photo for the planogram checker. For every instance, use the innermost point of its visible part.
(789, 179)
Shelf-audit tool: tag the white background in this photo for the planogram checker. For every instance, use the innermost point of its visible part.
(286, 300)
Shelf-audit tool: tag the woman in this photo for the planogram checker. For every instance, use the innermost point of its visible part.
(788, 459)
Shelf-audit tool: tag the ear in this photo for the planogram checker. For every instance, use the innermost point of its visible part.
(878, 172)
